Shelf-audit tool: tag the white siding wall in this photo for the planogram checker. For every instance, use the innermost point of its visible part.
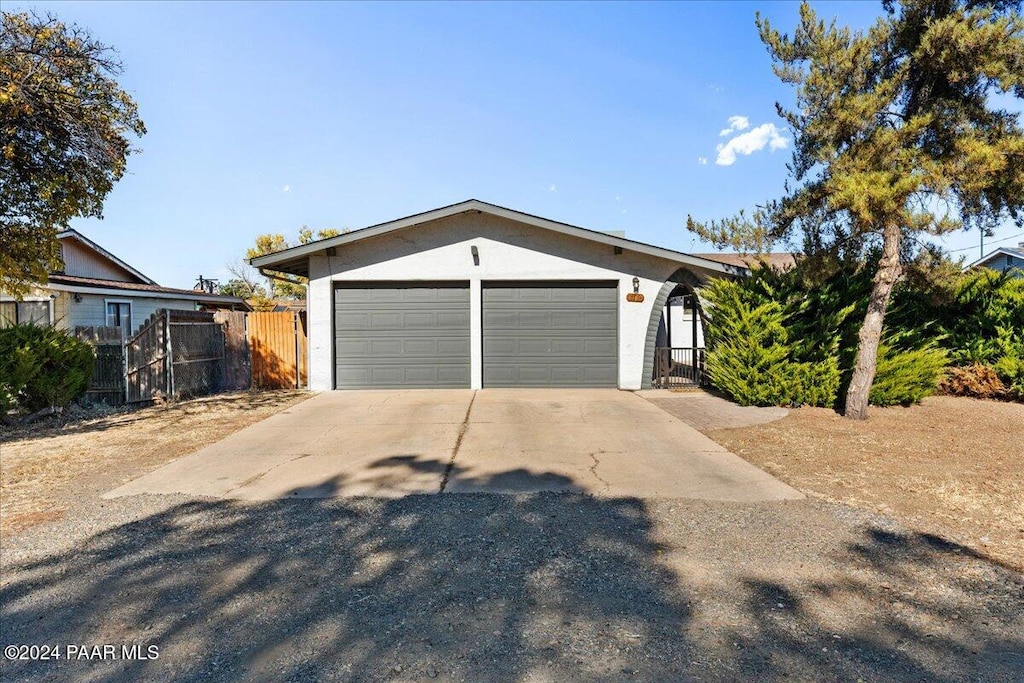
(92, 309)
(508, 251)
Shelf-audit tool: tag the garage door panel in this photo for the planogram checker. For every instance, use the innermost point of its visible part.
(550, 335)
(604, 348)
(599, 321)
(406, 335)
(452, 319)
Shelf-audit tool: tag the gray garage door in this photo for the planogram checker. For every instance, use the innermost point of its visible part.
(550, 335)
(401, 335)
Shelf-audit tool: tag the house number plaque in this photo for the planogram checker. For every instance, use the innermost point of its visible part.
(635, 297)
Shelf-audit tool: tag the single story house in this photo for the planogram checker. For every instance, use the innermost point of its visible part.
(475, 295)
(96, 288)
(1003, 259)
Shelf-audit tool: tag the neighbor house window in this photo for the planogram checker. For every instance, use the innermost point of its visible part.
(25, 312)
(119, 314)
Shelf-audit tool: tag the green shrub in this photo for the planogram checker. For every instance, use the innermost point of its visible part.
(42, 366)
(750, 357)
(905, 376)
(1010, 370)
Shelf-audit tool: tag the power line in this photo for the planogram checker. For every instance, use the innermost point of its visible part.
(1004, 239)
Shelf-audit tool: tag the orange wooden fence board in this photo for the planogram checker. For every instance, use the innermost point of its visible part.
(277, 346)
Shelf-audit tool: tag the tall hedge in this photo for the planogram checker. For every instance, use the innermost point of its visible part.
(776, 339)
(984, 320)
(42, 366)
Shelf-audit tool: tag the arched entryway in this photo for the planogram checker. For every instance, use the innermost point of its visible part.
(675, 354)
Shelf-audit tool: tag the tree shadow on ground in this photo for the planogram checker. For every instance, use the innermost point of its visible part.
(481, 587)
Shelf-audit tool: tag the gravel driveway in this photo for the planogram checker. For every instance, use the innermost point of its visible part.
(488, 587)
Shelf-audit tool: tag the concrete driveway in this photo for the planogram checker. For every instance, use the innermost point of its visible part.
(393, 443)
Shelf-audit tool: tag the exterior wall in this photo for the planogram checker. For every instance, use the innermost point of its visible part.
(84, 262)
(1004, 262)
(92, 309)
(508, 250)
(682, 328)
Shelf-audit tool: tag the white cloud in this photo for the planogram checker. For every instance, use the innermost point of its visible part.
(286, 188)
(736, 123)
(553, 188)
(702, 161)
(618, 197)
(752, 141)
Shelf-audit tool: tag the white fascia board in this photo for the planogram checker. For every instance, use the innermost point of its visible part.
(137, 293)
(268, 260)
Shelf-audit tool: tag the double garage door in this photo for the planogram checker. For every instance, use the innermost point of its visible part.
(534, 335)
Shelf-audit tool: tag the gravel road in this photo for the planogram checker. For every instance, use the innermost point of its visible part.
(542, 587)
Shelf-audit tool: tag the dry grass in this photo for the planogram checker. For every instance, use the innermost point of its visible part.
(46, 470)
(953, 466)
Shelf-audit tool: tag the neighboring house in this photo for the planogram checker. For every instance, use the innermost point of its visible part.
(97, 288)
(1004, 259)
(475, 295)
(779, 260)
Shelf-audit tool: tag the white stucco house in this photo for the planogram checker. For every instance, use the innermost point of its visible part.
(475, 295)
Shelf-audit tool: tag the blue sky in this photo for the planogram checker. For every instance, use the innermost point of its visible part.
(266, 117)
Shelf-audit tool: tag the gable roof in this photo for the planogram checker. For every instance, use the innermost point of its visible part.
(71, 233)
(1005, 251)
(295, 260)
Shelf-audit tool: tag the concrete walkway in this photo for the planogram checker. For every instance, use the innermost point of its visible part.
(707, 412)
(394, 443)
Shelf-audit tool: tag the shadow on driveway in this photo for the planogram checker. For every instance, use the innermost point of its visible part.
(540, 587)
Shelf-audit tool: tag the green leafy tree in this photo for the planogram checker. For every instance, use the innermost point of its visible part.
(65, 126)
(896, 135)
(284, 286)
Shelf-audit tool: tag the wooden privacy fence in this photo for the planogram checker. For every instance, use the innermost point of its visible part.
(107, 383)
(181, 354)
(277, 346)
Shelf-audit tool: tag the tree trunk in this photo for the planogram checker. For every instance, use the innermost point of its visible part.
(871, 331)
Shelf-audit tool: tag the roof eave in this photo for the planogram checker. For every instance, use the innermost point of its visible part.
(289, 260)
(126, 291)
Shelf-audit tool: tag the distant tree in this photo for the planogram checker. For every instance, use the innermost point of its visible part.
(64, 138)
(244, 283)
(896, 135)
(288, 286)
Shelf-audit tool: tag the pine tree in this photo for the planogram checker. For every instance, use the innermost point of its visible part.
(898, 133)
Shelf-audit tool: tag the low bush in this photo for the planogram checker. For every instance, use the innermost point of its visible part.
(1010, 369)
(977, 380)
(42, 366)
(905, 376)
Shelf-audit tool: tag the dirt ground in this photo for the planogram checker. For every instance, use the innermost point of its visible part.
(46, 468)
(538, 587)
(950, 466)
